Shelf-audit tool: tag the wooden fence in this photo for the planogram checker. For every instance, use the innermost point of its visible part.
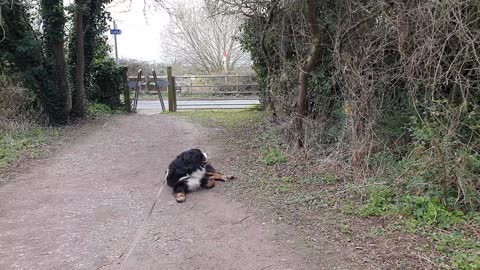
(194, 86)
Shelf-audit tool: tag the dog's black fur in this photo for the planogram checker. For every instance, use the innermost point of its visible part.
(184, 165)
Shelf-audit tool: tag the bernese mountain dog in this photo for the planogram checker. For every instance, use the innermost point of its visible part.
(189, 171)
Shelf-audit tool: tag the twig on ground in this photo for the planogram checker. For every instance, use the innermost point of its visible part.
(241, 220)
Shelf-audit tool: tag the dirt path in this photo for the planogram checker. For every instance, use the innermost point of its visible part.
(80, 209)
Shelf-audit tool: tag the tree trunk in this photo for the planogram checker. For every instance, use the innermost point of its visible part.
(57, 94)
(79, 106)
(61, 68)
(267, 56)
(306, 68)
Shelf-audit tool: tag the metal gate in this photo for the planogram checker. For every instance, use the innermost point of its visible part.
(188, 92)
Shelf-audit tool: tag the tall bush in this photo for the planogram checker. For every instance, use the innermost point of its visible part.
(21, 51)
(399, 77)
(108, 83)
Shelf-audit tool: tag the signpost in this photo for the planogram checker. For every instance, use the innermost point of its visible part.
(115, 32)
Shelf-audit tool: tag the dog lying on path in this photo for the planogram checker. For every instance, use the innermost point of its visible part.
(189, 171)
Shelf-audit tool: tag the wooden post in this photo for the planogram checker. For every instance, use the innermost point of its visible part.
(171, 89)
(137, 90)
(174, 94)
(126, 91)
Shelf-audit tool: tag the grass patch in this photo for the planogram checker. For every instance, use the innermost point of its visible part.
(29, 141)
(272, 156)
(224, 118)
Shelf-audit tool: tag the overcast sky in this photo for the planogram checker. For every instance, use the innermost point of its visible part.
(140, 38)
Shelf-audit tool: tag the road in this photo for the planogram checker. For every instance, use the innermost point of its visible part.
(153, 106)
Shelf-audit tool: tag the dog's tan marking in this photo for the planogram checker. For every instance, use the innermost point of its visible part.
(210, 183)
(180, 197)
(217, 176)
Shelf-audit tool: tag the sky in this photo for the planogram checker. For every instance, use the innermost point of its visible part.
(140, 38)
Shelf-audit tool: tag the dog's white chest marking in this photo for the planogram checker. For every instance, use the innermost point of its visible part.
(193, 180)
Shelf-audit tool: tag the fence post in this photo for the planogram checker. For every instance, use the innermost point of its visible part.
(126, 90)
(171, 88)
(137, 90)
(174, 94)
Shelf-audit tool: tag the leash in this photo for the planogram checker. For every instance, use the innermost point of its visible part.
(141, 228)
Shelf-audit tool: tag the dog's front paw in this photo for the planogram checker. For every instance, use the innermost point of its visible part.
(180, 197)
(230, 177)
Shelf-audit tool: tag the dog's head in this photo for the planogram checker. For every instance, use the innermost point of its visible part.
(194, 156)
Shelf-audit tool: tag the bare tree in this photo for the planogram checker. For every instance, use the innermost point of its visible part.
(197, 39)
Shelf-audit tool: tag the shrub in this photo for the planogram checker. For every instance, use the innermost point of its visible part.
(108, 83)
(18, 108)
(99, 109)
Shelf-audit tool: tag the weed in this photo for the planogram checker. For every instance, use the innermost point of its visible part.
(272, 156)
(415, 210)
(380, 203)
(347, 208)
(462, 252)
(344, 228)
(283, 184)
(428, 211)
(328, 179)
(459, 251)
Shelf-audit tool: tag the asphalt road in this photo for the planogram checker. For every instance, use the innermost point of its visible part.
(153, 106)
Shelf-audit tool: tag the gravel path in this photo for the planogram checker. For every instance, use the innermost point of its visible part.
(80, 209)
